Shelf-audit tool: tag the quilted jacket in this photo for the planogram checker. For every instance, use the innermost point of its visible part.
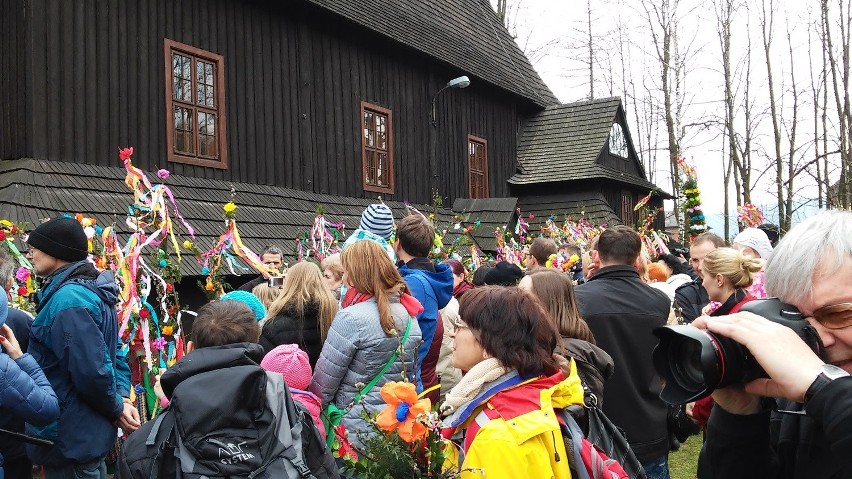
(354, 352)
(25, 392)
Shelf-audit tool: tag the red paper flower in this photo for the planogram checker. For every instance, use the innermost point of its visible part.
(22, 291)
(125, 153)
(169, 288)
(2, 235)
(144, 313)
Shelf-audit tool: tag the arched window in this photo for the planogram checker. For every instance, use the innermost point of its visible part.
(617, 141)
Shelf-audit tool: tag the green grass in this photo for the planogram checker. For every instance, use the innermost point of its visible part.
(683, 463)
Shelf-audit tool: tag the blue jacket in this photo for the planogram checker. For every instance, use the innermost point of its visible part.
(25, 392)
(12, 448)
(432, 285)
(74, 338)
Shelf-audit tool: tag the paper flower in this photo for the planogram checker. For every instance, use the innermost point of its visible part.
(22, 291)
(125, 153)
(2, 236)
(22, 274)
(401, 413)
(159, 343)
(168, 330)
(229, 207)
(187, 244)
(163, 173)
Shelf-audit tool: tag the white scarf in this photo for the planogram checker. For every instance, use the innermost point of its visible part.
(471, 383)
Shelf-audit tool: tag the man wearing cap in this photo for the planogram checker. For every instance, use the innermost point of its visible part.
(73, 339)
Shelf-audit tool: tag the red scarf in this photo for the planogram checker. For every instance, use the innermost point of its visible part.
(353, 296)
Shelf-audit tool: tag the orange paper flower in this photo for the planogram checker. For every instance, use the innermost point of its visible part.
(401, 413)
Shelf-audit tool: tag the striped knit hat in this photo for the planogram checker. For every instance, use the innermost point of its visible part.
(378, 219)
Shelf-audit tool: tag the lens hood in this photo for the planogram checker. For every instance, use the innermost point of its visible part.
(690, 362)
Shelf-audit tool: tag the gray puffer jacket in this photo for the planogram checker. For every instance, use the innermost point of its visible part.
(355, 350)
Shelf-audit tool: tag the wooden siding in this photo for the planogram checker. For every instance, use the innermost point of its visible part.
(14, 139)
(294, 80)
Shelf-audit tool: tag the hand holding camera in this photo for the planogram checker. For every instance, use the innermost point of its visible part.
(769, 350)
(790, 363)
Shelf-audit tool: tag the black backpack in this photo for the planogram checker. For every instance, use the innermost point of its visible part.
(240, 424)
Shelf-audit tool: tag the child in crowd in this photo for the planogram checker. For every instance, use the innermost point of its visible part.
(266, 294)
(376, 225)
(292, 363)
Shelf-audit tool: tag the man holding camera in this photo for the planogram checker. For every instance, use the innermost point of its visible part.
(807, 431)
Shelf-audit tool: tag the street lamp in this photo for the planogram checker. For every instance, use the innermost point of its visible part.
(460, 82)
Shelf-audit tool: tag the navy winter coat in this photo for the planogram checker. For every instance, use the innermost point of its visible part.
(74, 338)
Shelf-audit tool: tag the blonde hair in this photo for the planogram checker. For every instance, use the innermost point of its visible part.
(332, 262)
(304, 285)
(266, 294)
(734, 266)
(369, 270)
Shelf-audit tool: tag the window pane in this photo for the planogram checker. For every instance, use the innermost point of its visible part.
(183, 130)
(382, 170)
(381, 132)
(369, 169)
(369, 127)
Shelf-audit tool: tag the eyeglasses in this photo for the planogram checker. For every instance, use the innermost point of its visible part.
(459, 326)
(834, 316)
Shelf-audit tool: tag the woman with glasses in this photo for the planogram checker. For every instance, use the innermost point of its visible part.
(502, 409)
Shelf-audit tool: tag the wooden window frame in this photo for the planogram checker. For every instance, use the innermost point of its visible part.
(170, 46)
(484, 143)
(366, 106)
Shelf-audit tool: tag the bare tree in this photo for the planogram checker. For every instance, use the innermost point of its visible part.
(661, 17)
(839, 72)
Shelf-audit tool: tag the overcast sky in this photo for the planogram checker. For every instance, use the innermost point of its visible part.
(554, 33)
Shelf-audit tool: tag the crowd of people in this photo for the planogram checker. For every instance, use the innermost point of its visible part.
(498, 349)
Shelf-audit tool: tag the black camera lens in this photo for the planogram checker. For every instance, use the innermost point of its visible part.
(685, 358)
(693, 362)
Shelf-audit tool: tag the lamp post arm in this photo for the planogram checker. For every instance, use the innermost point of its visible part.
(433, 117)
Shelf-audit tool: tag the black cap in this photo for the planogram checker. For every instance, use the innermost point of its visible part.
(504, 274)
(62, 238)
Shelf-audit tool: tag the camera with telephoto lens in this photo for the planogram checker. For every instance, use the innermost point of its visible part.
(683, 252)
(694, 362)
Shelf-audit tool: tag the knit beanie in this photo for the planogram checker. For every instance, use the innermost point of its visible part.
(378, 219)
(291, 362)
(504, 274)
(250, 300)
(62, 238)
(757, 240)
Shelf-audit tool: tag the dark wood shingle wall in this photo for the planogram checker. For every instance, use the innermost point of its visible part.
(13, 79)
(294, 76)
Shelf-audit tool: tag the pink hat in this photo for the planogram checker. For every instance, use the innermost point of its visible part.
(291, 362)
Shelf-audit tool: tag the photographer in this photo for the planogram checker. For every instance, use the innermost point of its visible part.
(806, 432)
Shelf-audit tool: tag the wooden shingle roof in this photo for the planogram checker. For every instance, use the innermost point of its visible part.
(33, 190)
(492, 213)
(466, 34)
(589, 205)
(563, 143)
